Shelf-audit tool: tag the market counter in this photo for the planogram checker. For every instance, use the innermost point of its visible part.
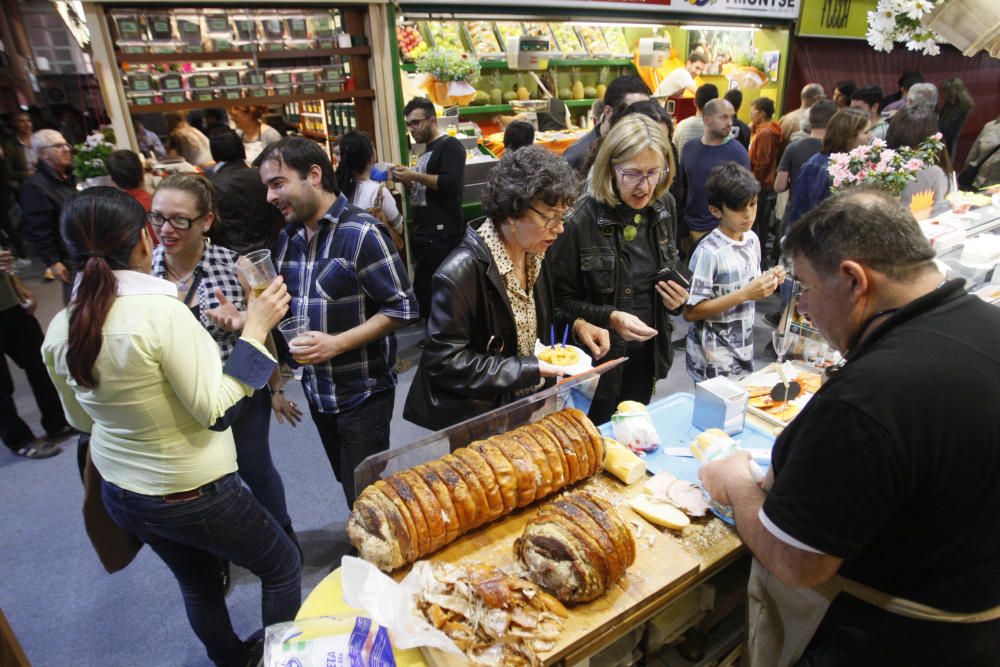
(554, 141)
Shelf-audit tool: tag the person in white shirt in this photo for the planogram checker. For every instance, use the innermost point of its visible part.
(354, 179)
(682, 79)
(144, 378)
(256, 135)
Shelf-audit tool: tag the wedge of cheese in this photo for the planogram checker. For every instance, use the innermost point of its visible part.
(658, 512)
(622, 462)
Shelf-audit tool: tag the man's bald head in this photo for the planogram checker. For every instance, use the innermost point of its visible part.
(717, 116)
(811, 94)
(717, 106)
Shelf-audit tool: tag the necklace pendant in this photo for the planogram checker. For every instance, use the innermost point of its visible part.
(629, 232)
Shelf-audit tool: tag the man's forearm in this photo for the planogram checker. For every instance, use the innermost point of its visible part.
(430, 180)
(377, 326)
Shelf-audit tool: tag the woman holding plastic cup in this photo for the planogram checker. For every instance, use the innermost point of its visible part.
(209, 283)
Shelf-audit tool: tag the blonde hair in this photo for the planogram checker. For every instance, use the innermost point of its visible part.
(199, 187)
(628, 138)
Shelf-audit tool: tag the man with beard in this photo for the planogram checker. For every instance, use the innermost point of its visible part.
(344, 274)
(435, 188)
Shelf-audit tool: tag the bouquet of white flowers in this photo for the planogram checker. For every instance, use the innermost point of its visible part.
(89, 157)
(899, 21)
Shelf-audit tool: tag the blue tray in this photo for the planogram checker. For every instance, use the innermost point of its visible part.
(672, 419)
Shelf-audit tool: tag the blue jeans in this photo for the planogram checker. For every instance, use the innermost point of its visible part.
(253, 456)
(191, 535)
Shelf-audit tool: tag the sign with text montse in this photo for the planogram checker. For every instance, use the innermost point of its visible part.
(760, 9)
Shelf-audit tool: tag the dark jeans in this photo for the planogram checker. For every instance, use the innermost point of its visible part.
(191, 535)
(637, 383)
(428, 253)
(21, 339)
(253, 455)
(351, 436)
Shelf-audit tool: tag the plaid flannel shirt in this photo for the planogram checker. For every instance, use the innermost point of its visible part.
(345, 274)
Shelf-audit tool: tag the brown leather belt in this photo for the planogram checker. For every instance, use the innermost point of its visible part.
(181, 496)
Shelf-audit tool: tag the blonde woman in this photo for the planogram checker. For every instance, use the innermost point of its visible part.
(622, 233)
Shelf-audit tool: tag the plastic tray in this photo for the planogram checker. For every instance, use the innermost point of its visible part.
(672, 419)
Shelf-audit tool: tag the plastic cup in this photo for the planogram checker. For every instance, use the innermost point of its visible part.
(257, 269)
(292, 328)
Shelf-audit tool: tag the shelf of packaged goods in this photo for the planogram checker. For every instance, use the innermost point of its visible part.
(220, 56)
(314, 135)
(505, 108)
(267, 100)
(579, 62)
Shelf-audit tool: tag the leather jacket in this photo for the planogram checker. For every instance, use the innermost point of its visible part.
(592, 276)
(470, 363)
(42, 197)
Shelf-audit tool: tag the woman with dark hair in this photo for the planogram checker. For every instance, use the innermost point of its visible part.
(137, 371)
(492, 299)
(256, 134)
(847, 129)
(956, 105)
(624, 233)
(354, 180)
(910, 126)
(518, 134)
(183, 214)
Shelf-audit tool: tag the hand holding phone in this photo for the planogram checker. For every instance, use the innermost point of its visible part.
(671, 273)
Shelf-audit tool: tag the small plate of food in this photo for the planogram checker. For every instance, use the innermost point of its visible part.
(568, 357)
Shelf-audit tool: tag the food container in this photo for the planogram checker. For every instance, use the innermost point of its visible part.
(333, 86)
(221, 44)
(141, 82)
(203, 95)
(278, 77)
(129, 28)
(614, 36)
(160, 27)
(200, 80)
(593, 39)
(272, 29)
(177, 97)
(229, 78)
(541, 30)
(171, 81)
(189, 30)
(509, 29)
(446, 35)
(309, 76)
(483, 40)
(218, 24)
(284, 89)
(307, 88)
(411, 43)
(230, 93)
(243, 45)
(142, 100)
(321, 24)
(300, 44)
(246, 29)
(296, 27)
(254, 83)
(333, 73)
(567, 41)
(133, 47)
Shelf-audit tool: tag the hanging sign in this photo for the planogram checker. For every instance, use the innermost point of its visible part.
(835, 18)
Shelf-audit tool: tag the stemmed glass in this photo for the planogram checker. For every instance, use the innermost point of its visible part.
(782, 341)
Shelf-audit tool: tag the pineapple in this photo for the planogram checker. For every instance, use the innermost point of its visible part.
(522, 91)
(602, 82)
(496, 90)
(577, 87)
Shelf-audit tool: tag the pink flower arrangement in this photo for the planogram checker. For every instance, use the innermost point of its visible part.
(875, 165)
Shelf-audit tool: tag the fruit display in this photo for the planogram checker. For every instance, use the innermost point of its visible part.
(509, 29)
(615, 37)
(483, 39)
(496, 88)
(593, 39)
(446, 35)
(539, 29)
(411, 43)
(567, 41)
(602, 82)
(577, 89)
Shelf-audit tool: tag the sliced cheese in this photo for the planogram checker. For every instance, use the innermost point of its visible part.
(709, 444)
(622, 462)
(658, 512)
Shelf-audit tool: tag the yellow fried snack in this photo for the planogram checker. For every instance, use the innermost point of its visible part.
(559, 356)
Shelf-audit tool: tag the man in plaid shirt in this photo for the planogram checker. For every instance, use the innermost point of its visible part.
(344, 274)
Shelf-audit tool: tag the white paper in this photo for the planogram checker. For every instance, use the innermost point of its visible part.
(391, 604)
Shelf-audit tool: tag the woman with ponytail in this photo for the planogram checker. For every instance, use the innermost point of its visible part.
(183, 212)
(138, 372)
(354, 180)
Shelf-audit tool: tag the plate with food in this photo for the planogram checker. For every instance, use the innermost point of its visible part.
(761, 386)
(569, 357)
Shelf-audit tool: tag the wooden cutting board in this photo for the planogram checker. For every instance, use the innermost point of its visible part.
(660, 566)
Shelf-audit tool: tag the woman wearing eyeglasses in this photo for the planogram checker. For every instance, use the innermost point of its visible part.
(620, 235)
(491, 298)
(135, 370)
(184, 209)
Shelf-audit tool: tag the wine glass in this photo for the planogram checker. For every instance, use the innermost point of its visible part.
(781, 341)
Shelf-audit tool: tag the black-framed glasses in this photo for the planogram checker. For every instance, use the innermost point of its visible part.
(633, 178)
(180, 222)
(415, 122)
(551, 221)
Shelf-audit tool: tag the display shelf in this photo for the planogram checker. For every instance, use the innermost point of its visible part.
(220, 56)
(572, 62)
(505, 108)
(272, 99)
(314, 135)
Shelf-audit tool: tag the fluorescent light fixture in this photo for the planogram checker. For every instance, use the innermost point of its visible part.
(728, 28)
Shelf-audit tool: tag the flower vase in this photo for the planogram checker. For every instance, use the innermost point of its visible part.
(94, 181)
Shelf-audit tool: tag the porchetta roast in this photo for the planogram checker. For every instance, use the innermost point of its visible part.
(577, 547)
(417, 511)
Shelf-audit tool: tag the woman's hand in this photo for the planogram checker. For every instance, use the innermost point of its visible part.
(285, 409)
(597, 340)
(630, 327)
(672, 294)
(226, 316)
(548, 370)
(264, 312)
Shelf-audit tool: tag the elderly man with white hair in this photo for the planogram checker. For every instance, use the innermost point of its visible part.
(924, 95)
(42, 196)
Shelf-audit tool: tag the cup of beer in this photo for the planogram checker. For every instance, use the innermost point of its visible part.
(257, 269)
(292, 328)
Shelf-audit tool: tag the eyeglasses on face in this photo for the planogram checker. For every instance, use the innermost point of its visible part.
(415, 122)
(632, 178)
(179, 222)
(59, 147)
(551, 221)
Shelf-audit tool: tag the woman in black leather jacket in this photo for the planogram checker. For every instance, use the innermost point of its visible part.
(492, 298)
(620, 234)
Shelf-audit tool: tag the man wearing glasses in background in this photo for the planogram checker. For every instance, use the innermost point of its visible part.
(435, 188)
(42, 197)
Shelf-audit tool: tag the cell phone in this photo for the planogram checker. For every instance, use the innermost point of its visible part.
(672, 273)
